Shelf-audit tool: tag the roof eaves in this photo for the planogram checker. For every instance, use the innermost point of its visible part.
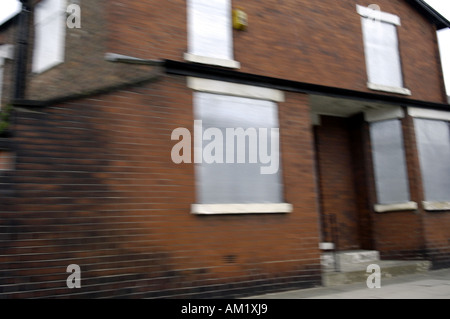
(440, 21)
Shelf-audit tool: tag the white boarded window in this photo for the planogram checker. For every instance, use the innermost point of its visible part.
(6, 52)
(210, 29)
(389, 162)
(433, 139)
(238, 183)
(50, 32)
(381, 47)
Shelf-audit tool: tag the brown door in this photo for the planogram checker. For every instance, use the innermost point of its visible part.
(341, 179)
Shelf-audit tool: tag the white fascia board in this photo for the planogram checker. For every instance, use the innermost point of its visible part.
(235, 89)
(429, 114)
(384, 114)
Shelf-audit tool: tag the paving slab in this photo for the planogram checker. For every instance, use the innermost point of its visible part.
(434, 284)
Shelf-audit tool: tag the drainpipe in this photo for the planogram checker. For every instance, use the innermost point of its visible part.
(22, 51)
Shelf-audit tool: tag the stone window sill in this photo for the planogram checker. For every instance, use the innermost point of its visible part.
(212, 61)
(384, 208)
(436, 206)
(390, 89)
(231, 209)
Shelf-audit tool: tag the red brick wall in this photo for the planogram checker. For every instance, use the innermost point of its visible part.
(435, 225)
(95, 186)
(309, 41)
(400, 235)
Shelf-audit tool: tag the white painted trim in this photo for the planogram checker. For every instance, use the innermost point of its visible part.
(222, 209)
(390, 89)
(326, 246)
(384, 114)
(316, 120)
(242, 90)
(366, 12)
(429, 114)
(7, 51)
(383, 208)
(212, 61)
(434, 206)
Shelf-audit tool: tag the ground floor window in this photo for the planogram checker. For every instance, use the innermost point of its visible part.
(389, 162)
(433, 143)
(238, 153)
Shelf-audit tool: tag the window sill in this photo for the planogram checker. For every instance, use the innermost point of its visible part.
(436, 206)
(227, 209)
(384, 208)
(326, 246)
(390, 89)
(212, 61)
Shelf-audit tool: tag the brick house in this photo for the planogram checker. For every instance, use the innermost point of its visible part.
(87, 175)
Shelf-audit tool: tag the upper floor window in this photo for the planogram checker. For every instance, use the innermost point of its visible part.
(49, 42)
(6, 52)
(210, 33)
(381, 47)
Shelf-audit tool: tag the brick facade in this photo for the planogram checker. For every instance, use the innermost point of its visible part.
(93, 183)
(100, 191)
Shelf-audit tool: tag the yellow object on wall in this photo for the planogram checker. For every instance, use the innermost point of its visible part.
(240, 21)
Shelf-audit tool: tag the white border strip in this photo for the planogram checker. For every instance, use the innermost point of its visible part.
(7, 51)
(222, 209)
(429, 114)
(384, 114)
(326, 246)
(212, 61)
(235, 89)
(434, 206)
(396, 207)
(390, 89)
(366, 12)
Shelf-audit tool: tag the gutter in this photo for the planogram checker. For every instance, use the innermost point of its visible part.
(440, 21)
(213, 73)
(203, 71)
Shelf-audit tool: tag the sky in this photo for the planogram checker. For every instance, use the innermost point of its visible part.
(9, 7)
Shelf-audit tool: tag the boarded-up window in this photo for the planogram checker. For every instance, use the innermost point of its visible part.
(382, 52)
(388, 153)
(433, 139)
(50, 32)
(238, 178)
(210, 28)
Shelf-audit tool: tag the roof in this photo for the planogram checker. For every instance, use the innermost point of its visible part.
(435, 17)
(8, 19)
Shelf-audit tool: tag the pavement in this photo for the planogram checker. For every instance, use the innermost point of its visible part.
(434, 284)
